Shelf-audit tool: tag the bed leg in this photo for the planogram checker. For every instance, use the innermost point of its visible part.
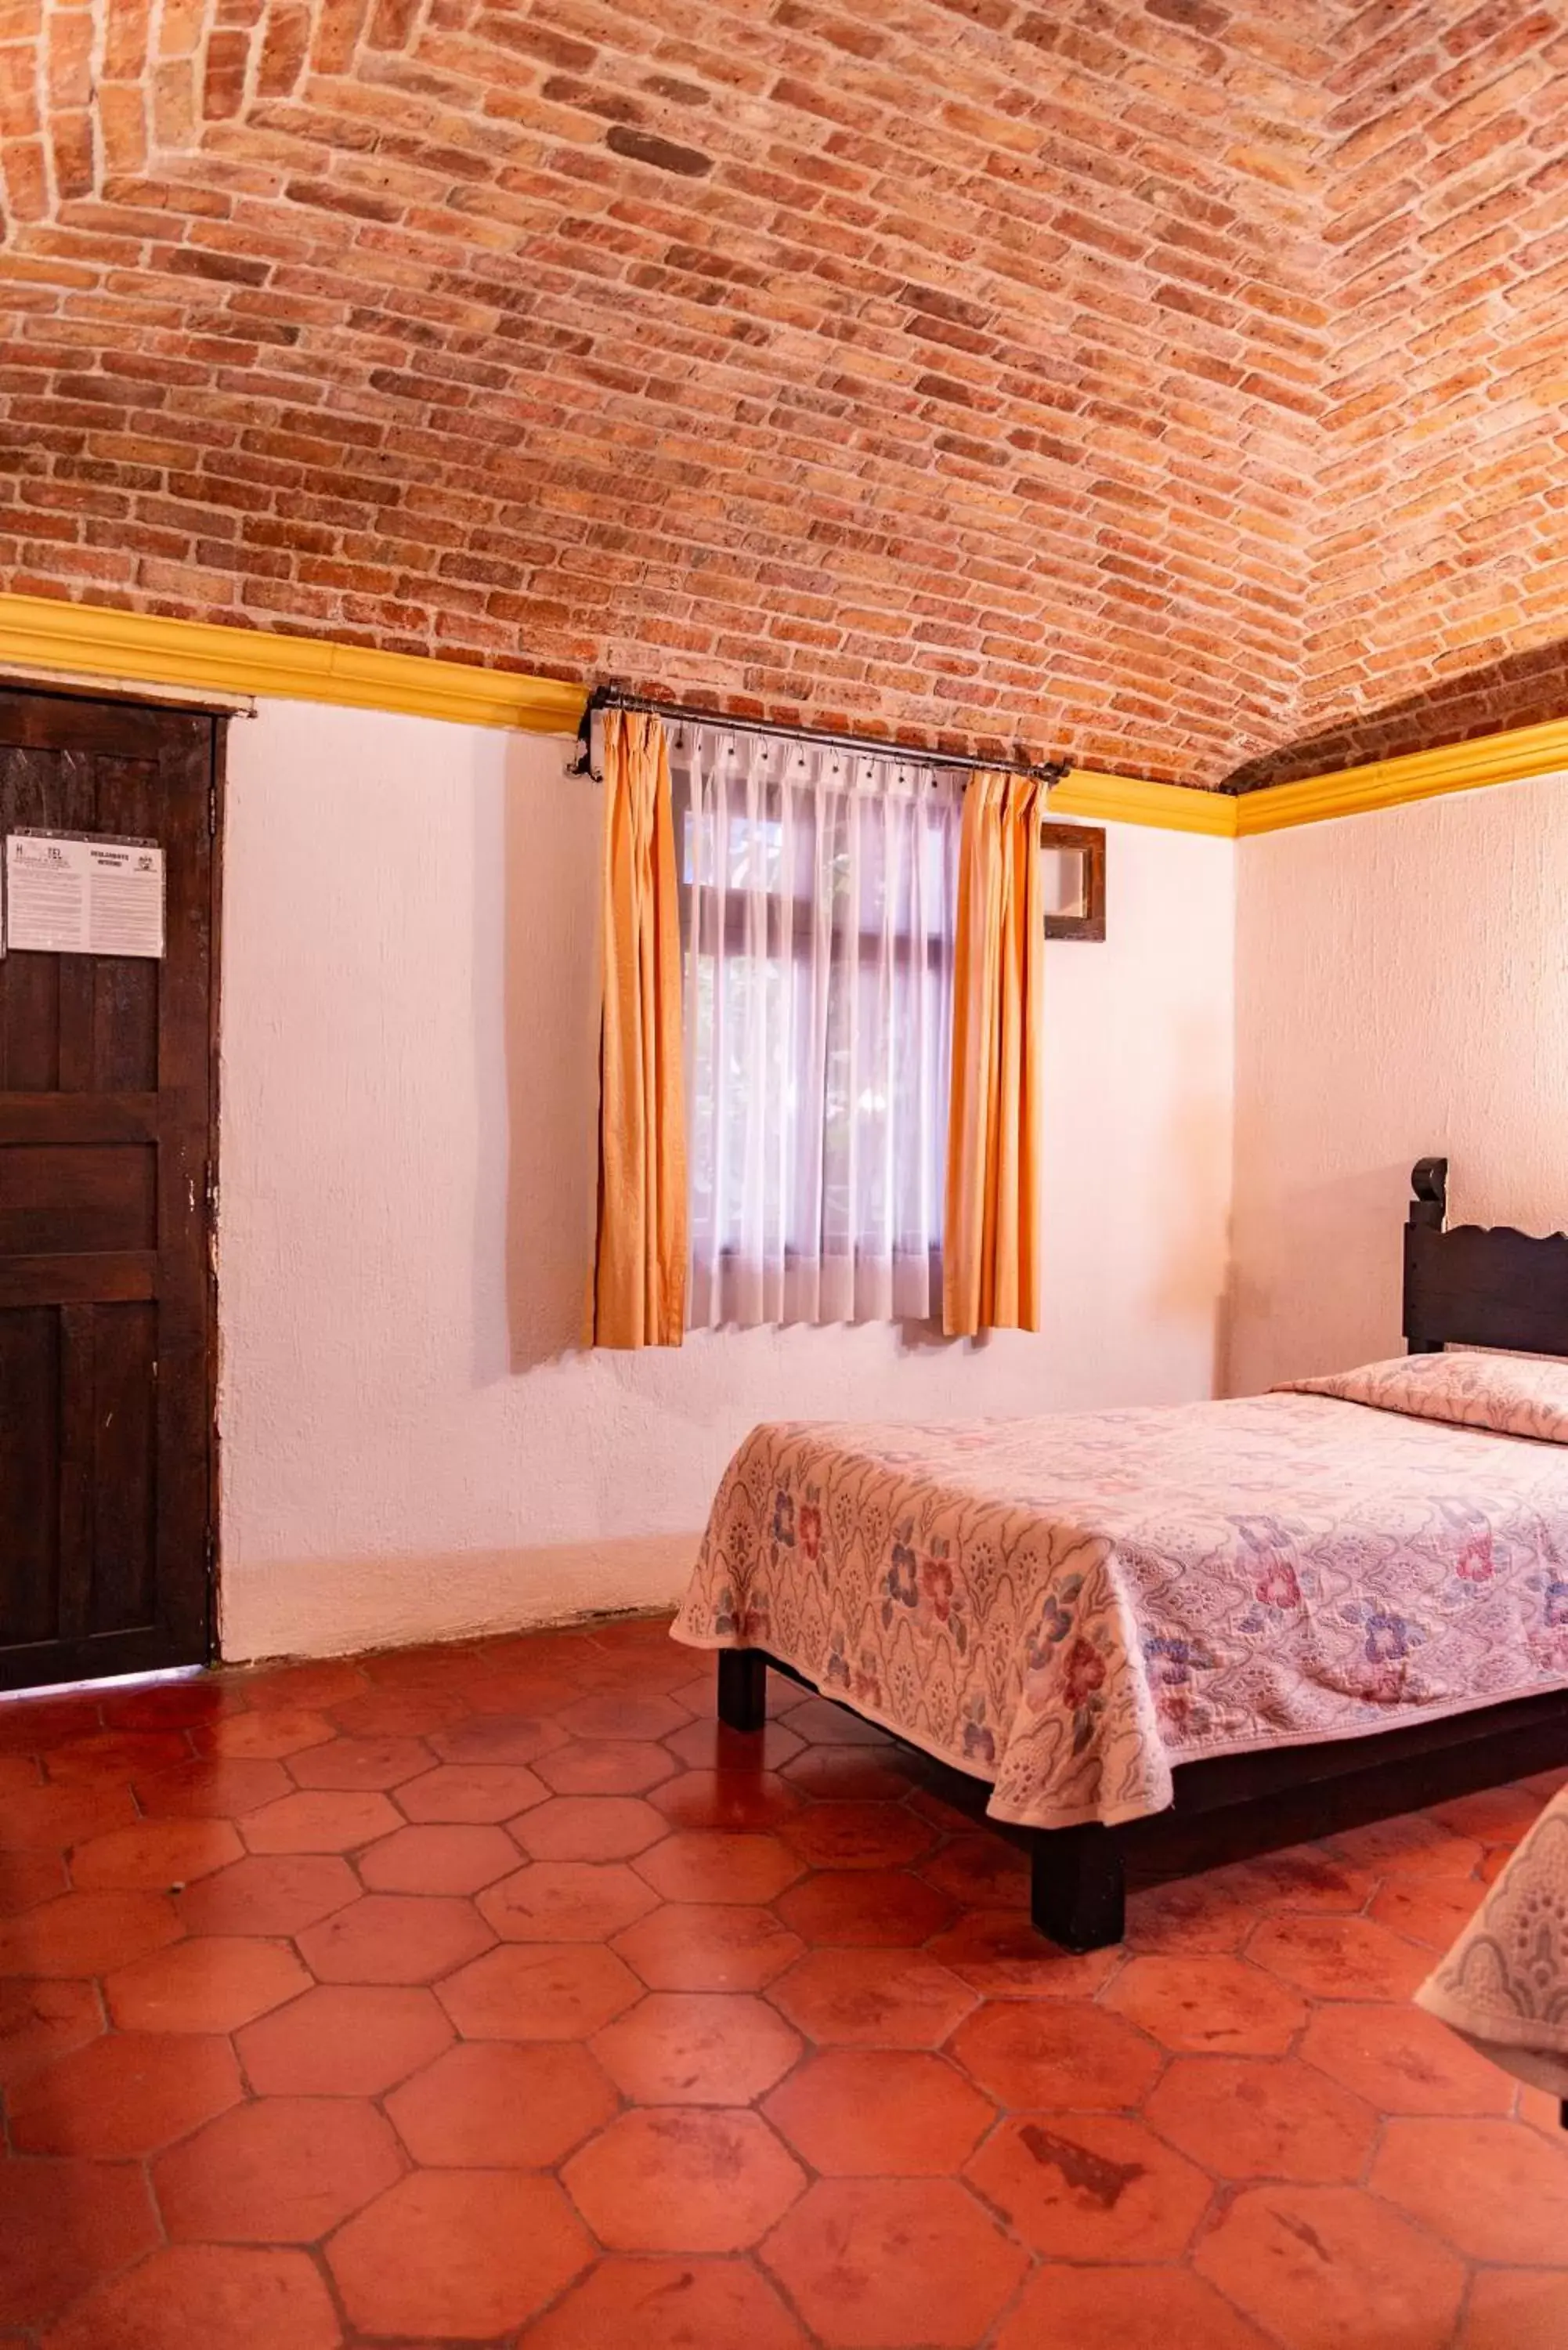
(743, 1689)
(1077, 1891)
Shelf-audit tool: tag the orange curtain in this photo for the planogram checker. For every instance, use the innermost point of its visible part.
(639, 1266)
(991, 1242)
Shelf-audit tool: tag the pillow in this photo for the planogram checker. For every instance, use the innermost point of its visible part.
(1515, 1395)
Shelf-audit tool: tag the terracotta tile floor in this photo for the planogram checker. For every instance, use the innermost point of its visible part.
(493, 1995)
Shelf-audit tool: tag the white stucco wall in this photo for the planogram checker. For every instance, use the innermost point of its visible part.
(1402, 989)
(411, 1443)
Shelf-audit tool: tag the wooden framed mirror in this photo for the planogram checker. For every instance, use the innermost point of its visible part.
(1074, 857)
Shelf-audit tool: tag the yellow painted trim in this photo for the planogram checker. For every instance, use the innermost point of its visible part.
(40, 632)
(1505, 758)
(1128, 800)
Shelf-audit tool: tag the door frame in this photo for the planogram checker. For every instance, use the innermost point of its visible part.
(217, 713)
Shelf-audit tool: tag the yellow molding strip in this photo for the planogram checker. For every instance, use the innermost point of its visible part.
(1128, 800)
(88, 641)
(38, 632)
(1416, 776)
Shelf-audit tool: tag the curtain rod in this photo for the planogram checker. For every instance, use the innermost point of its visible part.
(612, 697)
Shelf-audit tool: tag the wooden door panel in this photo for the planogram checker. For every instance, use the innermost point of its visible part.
(107, 1145)
(82, 1197)
(29, 1474)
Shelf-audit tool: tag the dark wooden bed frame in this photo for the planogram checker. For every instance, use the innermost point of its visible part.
(1468, 1286)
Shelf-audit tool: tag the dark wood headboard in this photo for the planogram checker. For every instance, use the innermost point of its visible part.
(1473, 1286)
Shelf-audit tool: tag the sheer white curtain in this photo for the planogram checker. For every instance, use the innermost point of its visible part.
(819, 895)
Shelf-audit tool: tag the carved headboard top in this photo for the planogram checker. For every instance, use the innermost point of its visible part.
(1471, 1285)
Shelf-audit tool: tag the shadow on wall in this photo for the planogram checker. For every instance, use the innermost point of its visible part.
(1191, 1279)
(1524, 690)
(549, 915)
(1327, 1288)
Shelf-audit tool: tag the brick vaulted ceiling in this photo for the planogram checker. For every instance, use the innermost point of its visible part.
(1173, 384)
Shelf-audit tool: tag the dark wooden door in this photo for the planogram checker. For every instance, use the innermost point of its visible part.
(107, 1143)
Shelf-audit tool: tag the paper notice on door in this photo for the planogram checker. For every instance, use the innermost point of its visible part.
(76, 893)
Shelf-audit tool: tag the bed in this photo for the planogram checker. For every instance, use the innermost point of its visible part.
(1112, 1619)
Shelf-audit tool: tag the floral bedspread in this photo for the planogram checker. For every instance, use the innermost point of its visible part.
(1067, 1607)
(1504, 1984)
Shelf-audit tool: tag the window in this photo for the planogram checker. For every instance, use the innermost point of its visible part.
(818, 893)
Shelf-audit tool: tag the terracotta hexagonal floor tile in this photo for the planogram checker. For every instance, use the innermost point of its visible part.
(843, 1775)
(358, 1765)
(538, 1990)
(1403, 2061)
(1331, 2265)
(29, 1724)
(210, 1982)
(156, 1855)
(1188, 1916)
(464, 2253)
(589, 1828)
(1091, 2187)
(708, 1946)
(698, 1864)
(278, 2170)
(268, 1894)
(508, 1738)
(1301, 1876)
(1263, 2117)
(1494, 2190)
(470, 1790)
(205, 2293)
(1216, 2006)
(264, 1737)
(168, 1705)
(343, 2040)
(857, 1835)
(49, 1819)
(412, 1712)
(114, 1754)
(64, 2225)
(999, 1954)
(872, 1999)
(682, 2178)
(126, 2094)
(319, 1820)
(623, 1713)
(1494, 1815)
(822, 1723)
(1125, 2309)
(696, 2048)
(395, 1937)
(1513, 2309)
(738, 1801)
(605, 1766)
(1431, 1910)
(878, 2262)
(567, 1901)
(40, 2021)
(980, 1872)
(488, 2105)
(453, 1859)
(1416, 1841)
(1339, 1958)
(669, 2305)
(27, 1878)
(889, 2113)
(86, 1933)
(1056, 2054)
(312, 1686)
(708, 1745)
(213, 1789)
